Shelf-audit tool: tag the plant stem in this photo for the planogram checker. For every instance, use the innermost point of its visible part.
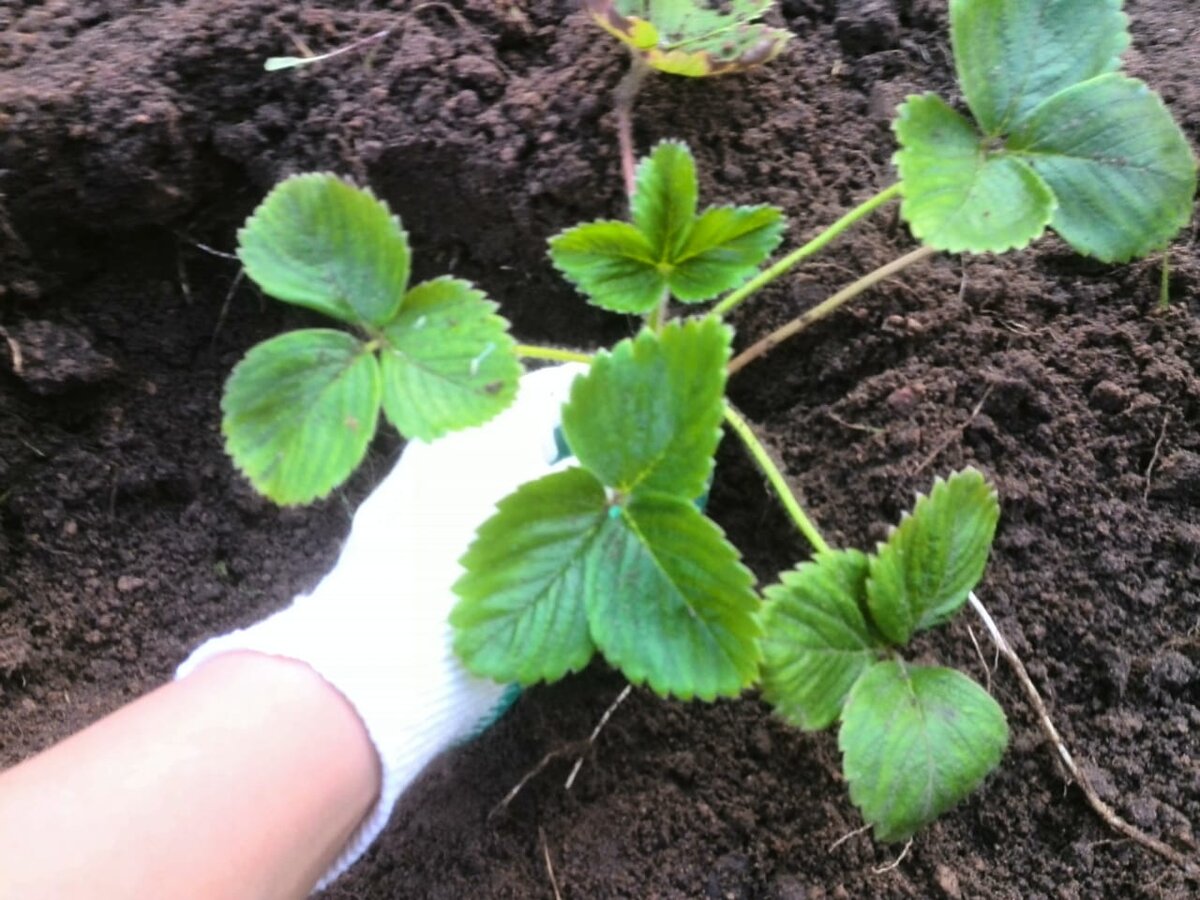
(554, 354)
(1164, 284)
(825, 307)
(625, 97)
(765, 277)
(657, 317)
(768, 466)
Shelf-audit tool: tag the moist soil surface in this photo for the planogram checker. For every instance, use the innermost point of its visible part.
(135, 136)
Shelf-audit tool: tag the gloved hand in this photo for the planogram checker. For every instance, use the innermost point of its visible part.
(376, 626)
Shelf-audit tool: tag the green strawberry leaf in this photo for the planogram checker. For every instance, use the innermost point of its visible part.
(817, 640)
(958, 197)
(663, 204)
(1011, 55)
(647, 415)
(669, 603)
(299, 412)
(448, 361)
(725, 246)
(521, 617)
(1122, 170)
(915, 741)
(668, 249)
(1063, 138)
(692, 37)
(935, 556)
(320, 242)
(612, 263)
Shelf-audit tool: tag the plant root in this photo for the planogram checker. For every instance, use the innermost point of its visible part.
(1162, 435)
(549, 864)
(954, 433)
(581, 747)
(1102, 809)
(846, 837)
(895, 863)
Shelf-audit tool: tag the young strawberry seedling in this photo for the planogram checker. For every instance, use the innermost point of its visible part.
(612, 555)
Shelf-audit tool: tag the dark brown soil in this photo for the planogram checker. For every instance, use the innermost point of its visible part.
(133, 132)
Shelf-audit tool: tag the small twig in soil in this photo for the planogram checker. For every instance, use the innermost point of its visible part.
(580, 747)
(956, 432)
(895, 863)
(1162, 434)
(596, 732)
(1102, 809)
(982, 660)
(185, 286)
(549, 864)
(211, 251)
(853, 426)
(233, 286)
(845, 837)
(18, 360)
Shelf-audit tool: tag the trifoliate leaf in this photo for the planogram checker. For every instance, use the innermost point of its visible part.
(723, 249)
(667, 249)
(299, 412)
(669, 603)
(933, 559)
(957, 196)
(448, 361)
(613, 263)
(1122, 170)
(521, 616)
(915, 741)
(1055, 116)
(320, 242)
(692, 37)
(1012, 55)
(646, 416)
(817, 641)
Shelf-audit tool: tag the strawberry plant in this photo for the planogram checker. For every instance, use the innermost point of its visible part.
(610, 554)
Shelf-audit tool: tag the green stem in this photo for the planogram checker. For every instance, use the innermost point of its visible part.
(825, 307)
(657, 317)
(769, 468)
(1164, 284)
(554, 354)
(765, 277)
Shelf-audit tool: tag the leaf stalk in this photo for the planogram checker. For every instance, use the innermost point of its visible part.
(822, 240)
(625, 96)
(774, 475)
(553, 354)
(826, 307)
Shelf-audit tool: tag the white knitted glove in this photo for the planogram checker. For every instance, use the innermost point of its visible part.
(376, 626)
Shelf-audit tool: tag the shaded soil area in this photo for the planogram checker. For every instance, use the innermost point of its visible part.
(134, 136)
